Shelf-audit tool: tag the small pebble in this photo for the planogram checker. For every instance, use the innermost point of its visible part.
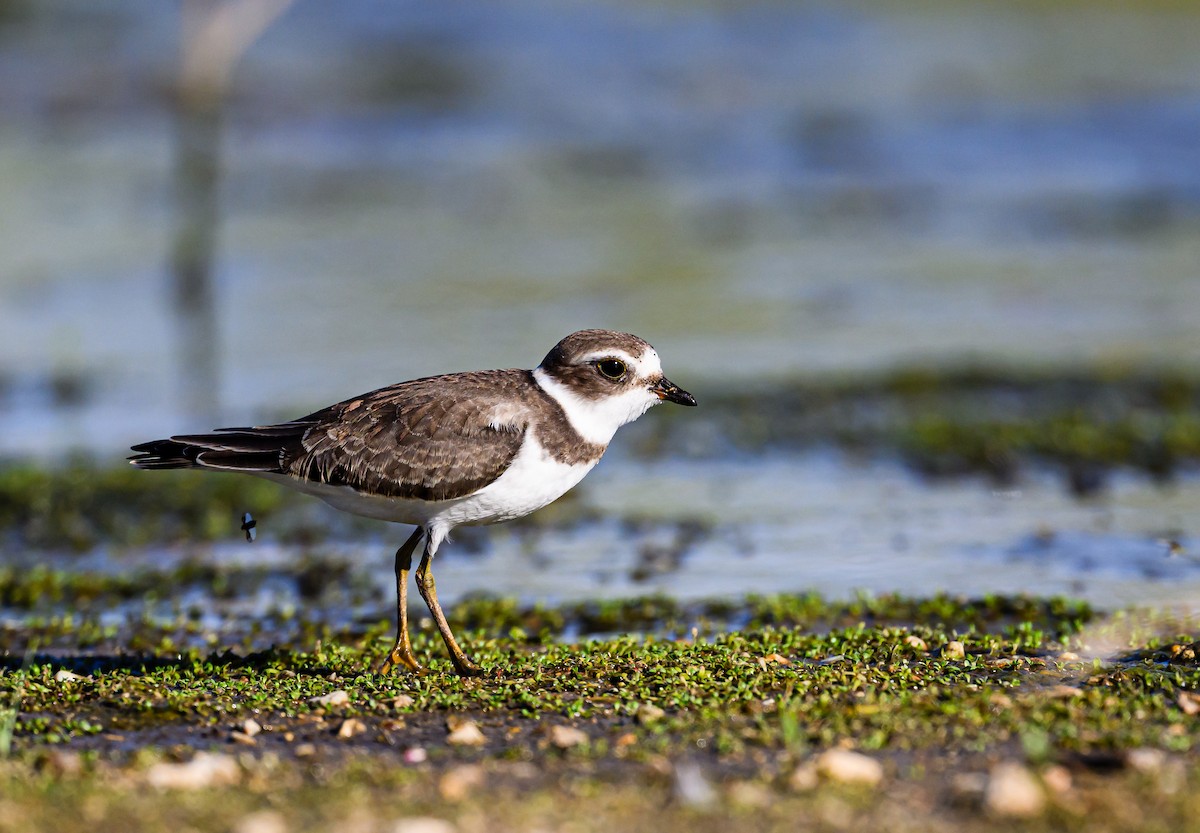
(264, 821)
(252, 727)
(402, 701)
(458, 783)
(204, 770)
(1057, 779)
(1064, 692)
(1146, 759)
(1013, 791)
(423, 824)
(804, 778)
(1183, 652)
(350, 727)
(305, 750)
(333, 698)
(625, 741)
(849, 767)
(660, 765)
(65, 676)
(242, 738)
(415, 755)
(466, 734)
(954, 650)
(914, 641)
(1189, 703)
(565, 737)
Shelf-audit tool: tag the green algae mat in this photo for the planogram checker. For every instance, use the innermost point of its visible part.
(784, 712)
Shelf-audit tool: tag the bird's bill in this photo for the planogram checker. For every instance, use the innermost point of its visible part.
(668, 391)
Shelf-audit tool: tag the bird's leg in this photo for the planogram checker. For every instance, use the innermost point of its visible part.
(428, 590)
(401, 653)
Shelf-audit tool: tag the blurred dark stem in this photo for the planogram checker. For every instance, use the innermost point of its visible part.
(215, 35)
(196, 178)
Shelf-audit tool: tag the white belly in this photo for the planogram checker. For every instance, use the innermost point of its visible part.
(533, 480)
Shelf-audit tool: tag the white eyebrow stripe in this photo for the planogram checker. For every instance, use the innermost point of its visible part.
(596, 355)
(645, 366)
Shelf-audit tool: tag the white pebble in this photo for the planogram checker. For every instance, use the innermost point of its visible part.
(954, 650)
(466, 734)
(564, 737)
(423, 824)
(1014, 791)
(849, 767)
(204, 770)
(333, 698)
(264, 821)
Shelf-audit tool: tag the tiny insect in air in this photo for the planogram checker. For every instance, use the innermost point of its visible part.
(248, 525)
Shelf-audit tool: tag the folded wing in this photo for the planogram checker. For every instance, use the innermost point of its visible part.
(438, 438)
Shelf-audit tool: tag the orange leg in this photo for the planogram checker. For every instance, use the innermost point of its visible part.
(428, 590)
(401, 653)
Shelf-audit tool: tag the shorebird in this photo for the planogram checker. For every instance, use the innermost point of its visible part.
(463, 448)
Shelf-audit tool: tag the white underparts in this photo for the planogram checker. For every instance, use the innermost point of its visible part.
(533, 480)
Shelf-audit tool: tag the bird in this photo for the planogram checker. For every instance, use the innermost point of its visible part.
(478, 447)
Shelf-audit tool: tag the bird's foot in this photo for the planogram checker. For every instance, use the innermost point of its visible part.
(401, 655)
(465, 668)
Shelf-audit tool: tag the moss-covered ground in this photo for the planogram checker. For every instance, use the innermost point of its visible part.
(688, 725)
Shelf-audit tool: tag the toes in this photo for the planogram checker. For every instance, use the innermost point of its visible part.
(395, 660)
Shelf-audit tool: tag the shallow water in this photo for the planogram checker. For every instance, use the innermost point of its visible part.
(761, 189)
(784, 523)
(822, 522)
(764, 190)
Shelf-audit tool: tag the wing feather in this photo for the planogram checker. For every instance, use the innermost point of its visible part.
(437, 438)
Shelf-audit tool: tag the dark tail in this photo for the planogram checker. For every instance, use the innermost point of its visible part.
(259, 449)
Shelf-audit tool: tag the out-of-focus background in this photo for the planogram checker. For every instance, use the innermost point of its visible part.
(781, 196)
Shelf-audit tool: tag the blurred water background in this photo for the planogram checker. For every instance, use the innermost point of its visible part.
(767, 191)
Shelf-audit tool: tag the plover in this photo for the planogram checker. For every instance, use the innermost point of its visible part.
(463, 448)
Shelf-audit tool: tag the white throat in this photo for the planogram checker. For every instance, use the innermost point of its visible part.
(596, 420)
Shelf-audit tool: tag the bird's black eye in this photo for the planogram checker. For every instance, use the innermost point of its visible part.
(612, 368)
